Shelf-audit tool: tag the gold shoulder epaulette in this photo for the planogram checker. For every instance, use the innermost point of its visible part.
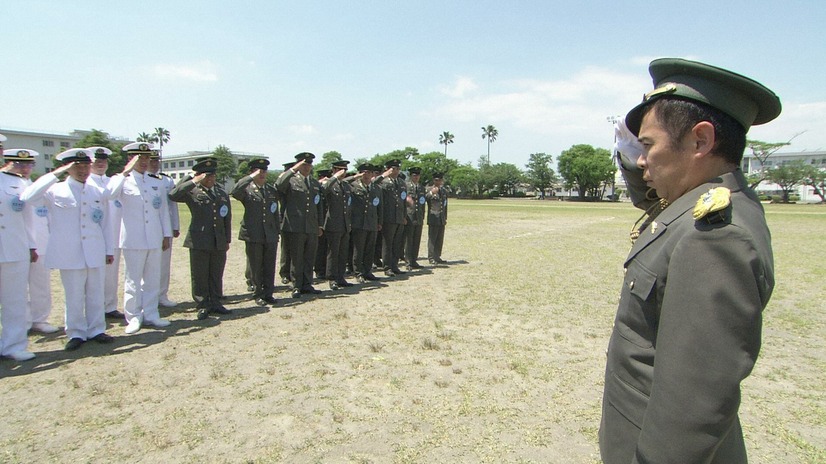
(713, 201)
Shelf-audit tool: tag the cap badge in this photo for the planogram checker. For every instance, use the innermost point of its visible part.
(99, 151)
(23, 154)
(144, 147)
(716, 199)
(667, 88)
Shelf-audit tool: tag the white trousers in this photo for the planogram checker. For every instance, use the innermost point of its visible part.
(110, 287)
(142, 284)
(166, 263)
(40, 291)
(84, 302)
(14, 277)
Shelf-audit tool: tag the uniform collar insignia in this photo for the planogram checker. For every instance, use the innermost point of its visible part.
(716, 199)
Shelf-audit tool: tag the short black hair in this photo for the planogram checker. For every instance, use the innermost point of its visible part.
(679, 116)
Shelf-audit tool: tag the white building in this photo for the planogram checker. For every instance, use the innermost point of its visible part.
(46, 143)
(178, 166)
(751, 164)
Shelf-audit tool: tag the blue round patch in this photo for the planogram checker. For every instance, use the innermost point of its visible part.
(376, 201)
(97, 215)
(316, 199)
(421, 200)
(156, 202)
(224, 210)
(42, 211)
(404, 195)
(273, 207)
(118, 204)
(349, 201)
(16, 204)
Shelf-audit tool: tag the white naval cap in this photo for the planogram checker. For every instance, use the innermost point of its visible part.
(100, 152)
(139, 148)
(19, 154)
(80, 155)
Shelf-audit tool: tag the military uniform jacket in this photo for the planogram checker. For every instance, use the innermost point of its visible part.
(394, 194)
(416, 211)
(261, 217)
(16, 238)
(115, 207)
(211, 224)
(145, 212)
(174, 217)
(302, 211)
(78, 213)
(436, 206)
(366, 208)
(338, 198)
(687, 332)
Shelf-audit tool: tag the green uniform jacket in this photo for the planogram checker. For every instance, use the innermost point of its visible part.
(367, 211)
(436, 206)
(302, 211)
(394, 194)
(687, 332)
(416, 211)
(261, 218)
(338, 198)
(211, 224)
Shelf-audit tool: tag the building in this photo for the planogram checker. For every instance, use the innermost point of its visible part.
(752, 164)
(47, 144)
(178, 166)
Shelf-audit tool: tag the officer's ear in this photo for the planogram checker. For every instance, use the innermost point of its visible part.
(702, 138)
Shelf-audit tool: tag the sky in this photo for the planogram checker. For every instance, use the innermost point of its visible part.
(368, 77)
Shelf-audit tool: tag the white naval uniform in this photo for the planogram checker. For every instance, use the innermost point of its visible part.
(110, 287)
(144, 224)
(40, 279)
(78, 211)
(16, 241)
(175, 222)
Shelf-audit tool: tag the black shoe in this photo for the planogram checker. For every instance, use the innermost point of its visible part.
(260, 302)
(417, 266)
(431, 261)
(311, 291)
(344, 283)
(103, 338)
(389, 273)
(360, 279)
(370, 277)
(399, 271)
(285, 280)
(74, 344)
(441, 261)
(333, 285)
(270, 300)
(203, 313)
(250, 288)
(220, 309)
(296, 293)
(114, 315)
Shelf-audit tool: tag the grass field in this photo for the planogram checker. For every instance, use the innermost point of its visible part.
(497, 357)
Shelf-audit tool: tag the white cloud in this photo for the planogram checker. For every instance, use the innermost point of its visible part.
(201, 72)
(458, 89)
(302, 129)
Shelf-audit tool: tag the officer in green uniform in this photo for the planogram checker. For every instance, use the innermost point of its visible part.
(366, 221)
(436, 198)
(320, 265)
(337, 223)
(394, 194)
(300, 224)
(284, 257)
(700, 271)
(259, 228)
(208, 236)
(415, 205)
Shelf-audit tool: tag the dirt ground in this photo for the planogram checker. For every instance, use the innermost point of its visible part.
(496, 357)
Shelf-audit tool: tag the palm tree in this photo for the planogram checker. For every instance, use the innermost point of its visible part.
(490, 133)
(445, 138)
(160, 136)
(144, 137)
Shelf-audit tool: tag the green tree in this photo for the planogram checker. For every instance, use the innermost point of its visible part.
(540, 174)
(587, 169)
(403, 155)
(327, 160)
(98, 138)
(432, 163)
(788, 176)
(506, 177)
(816, 178)
(226, 164)
(466, 179)
(144, 137)
(490, 133)
(762, 151)
(445, 139)
(160, 136)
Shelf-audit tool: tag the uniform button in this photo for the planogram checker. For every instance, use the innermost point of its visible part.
(631, 285)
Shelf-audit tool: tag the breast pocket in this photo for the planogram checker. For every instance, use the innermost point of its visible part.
(637, 314)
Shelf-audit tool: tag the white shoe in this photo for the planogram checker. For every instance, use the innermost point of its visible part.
(133, 326)
(167, 303)
(44, 327)
(21, 356)
(157, 322)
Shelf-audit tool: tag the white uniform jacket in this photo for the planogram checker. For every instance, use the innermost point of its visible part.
(145, 210)
(15, 220)
(82, 237)
(115, 207)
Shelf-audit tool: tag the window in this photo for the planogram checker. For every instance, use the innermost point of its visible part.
(47, 156)
(64, 144)
(180, 164)
(48, 143)
(49, 169)
(166, 165)
(190, 162)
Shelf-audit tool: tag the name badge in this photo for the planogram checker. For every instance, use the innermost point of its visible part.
(421, 200)
(42, 211)
(16, 204)
(273, 207)
(97, 215)
(316, 199)
(403, 195)
(349, 201)
(224, 210)
(156, 202)
(118, 204)
(376, 201)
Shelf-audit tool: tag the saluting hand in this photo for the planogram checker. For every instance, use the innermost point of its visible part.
(199, 177)
(59, 171)
(130, 165)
